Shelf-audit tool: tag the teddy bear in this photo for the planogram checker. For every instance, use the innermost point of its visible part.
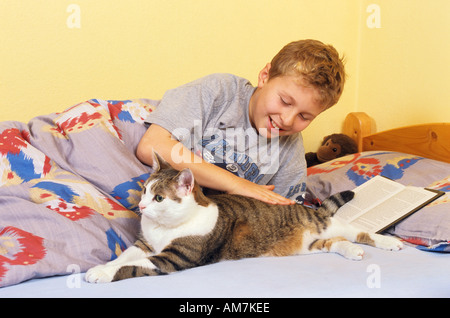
(333, 146)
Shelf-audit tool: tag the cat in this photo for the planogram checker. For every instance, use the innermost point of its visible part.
(182, 228)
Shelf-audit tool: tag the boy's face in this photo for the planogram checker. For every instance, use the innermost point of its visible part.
(282, 106)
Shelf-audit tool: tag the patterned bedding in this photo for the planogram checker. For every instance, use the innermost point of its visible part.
(69, 188)
(429, 228)
(70, 184)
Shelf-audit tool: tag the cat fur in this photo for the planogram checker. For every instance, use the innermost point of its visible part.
(187, 229)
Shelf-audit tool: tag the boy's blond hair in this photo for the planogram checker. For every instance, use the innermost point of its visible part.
(317, 64)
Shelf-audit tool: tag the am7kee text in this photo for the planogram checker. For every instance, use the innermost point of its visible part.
(228, 307)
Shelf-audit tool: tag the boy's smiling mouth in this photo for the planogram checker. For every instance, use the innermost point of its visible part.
(273, 124)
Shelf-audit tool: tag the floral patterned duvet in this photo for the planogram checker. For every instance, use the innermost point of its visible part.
(69, 188)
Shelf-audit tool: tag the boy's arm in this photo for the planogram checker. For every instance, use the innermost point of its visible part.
(206, 174)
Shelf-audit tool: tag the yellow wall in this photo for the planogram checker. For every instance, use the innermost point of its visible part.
(404, 67)
(140, 48)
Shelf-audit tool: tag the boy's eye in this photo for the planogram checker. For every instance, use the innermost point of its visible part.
(158, 198)
(283, 101)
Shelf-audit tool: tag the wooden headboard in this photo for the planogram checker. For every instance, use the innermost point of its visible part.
(427, 140)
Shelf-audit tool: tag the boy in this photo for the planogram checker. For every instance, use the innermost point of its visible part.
(244, 140)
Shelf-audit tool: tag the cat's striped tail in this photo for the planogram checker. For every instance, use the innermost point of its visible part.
(333, 203)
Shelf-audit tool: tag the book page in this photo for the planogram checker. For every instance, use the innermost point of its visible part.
(392, 209)
(367, 196)
(380, 202)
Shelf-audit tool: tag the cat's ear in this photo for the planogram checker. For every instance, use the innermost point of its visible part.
(185, 183)
(158, 163)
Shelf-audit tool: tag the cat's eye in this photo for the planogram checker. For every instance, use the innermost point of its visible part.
(158, 198)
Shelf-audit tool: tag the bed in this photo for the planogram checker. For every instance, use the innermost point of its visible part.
(70, 184)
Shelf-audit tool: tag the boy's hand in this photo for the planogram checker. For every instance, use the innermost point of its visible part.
(261, 192)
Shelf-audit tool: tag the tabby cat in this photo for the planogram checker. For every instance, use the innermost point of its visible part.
(181, 228)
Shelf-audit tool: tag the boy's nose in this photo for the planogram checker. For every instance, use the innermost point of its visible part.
(288, 119)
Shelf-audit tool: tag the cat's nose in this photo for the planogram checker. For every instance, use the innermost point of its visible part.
(141, 207)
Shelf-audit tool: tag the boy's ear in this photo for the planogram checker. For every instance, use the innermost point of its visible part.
(158, 162)
(264, 75)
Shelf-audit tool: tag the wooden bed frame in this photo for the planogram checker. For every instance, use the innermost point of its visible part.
(426, 140)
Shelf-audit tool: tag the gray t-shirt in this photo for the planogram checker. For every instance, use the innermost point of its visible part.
(210, 117)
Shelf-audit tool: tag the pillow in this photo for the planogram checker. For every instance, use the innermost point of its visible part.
(430, 226)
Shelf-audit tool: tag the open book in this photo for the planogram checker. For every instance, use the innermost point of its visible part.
(381, 202)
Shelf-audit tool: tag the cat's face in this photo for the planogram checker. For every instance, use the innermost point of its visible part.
(167, 199)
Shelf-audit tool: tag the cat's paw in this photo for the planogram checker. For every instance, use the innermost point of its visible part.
(388, 243)
(100, 274)
(354, 252)
(351, 251)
